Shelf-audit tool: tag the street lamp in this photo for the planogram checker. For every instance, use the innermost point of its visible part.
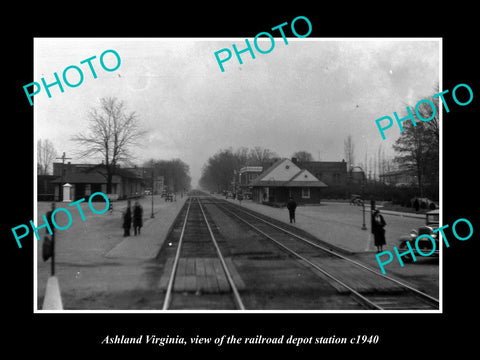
(152, 216)
(364, 227)
(234, 183)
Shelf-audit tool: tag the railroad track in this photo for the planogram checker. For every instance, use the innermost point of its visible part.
(198, 274)
(368, 287)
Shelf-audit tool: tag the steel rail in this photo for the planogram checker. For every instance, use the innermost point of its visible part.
(238, 300)
(167, 299)
(425, 296)
(362, 298)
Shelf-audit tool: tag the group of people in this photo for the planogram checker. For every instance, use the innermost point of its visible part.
(134, 217)
(378, 224)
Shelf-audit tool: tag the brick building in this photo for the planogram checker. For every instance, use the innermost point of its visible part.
(246, 175)
(332, 173)
(87, 179)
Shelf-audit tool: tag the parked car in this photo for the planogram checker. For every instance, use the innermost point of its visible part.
(423, 203)
(356, 200)
(425, 245)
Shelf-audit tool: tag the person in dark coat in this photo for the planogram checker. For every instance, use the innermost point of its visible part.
(416, 205)
(137, 218)
(291, 206)
(127, 220)
(378, 229)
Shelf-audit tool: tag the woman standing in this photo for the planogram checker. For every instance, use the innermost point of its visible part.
(137, 218)
(378, 225)
(127, 220)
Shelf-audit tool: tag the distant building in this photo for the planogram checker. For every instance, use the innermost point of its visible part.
(285, 179)
(87, 179)
(332, 173)
(145, 173)
(246, 175)
(399, 178)
(45, 187)
(357, 175)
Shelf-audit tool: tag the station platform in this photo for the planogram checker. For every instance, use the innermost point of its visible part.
(96, 266)
(340, 224)
(154, 232)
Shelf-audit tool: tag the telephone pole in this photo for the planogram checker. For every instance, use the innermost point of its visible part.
(63, 162)
(49, 214)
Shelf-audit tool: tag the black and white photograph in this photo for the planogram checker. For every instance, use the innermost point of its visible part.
(220, 180)
(176, 180)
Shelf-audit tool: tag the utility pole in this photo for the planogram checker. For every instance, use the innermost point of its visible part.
(63, 162)
(152, 216)
(49, 214)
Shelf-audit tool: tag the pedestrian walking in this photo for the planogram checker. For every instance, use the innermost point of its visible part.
(137, 218)
(291, 206)
(378, 230)
(416, 205)
(240, 198)
(127, 220)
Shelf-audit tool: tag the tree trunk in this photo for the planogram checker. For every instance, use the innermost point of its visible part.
(420, 179)
(109, 181)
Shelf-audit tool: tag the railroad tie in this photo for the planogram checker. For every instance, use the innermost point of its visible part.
(200, 275)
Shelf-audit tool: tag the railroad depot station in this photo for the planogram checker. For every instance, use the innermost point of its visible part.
(306, 182)
(286, 179)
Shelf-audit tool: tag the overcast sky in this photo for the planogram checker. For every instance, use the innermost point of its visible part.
(307, 95)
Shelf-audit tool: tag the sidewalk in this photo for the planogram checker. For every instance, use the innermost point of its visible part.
(340, 224)
(380, 207)
(98, 268)
(154, 232)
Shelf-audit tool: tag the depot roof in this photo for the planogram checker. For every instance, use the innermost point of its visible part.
(94, 175)
(285, 173)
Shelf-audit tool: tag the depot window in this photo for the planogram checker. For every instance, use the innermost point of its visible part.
(305, 193)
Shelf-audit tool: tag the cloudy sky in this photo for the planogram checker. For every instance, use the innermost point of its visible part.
(307, 95)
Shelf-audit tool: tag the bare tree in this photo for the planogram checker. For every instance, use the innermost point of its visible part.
(365, 163)
(302, 155)
(349, 148)
(417, 148)
(379, 162)
(175, 172)
(242, 154)
(111, 133)
(260, 156)
(45, 156)
(219, 171)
